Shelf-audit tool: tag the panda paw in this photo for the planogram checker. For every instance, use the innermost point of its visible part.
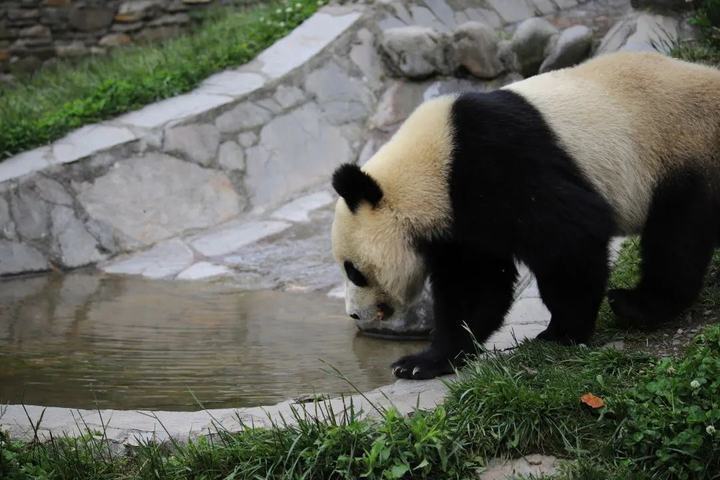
(422, 366)
(634, 310)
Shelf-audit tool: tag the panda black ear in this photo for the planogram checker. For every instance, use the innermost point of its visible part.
(356, 186)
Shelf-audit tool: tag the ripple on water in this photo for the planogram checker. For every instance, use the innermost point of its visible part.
(85, 341)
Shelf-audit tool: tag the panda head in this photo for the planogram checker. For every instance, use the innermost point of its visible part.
(383, 272)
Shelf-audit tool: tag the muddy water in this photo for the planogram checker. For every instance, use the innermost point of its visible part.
(89, 341)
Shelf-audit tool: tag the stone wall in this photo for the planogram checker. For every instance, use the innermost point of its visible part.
(250, 138)
(34, 32)
(245, 139)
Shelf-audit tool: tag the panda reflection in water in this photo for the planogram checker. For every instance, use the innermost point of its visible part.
(544, 171)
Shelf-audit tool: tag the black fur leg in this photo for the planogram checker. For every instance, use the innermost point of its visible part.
(637, 310)
(676, 246)
(472, 292)
(555, 335)
(572, 287)
(430, 363)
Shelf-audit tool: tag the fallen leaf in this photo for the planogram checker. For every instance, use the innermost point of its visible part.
(592, 401)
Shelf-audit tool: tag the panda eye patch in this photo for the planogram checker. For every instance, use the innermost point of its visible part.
(354, 275)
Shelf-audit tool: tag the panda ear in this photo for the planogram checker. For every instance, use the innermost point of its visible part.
(356, 186)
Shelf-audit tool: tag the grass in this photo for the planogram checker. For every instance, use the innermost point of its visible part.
(659, 421)
(47, 106)
(706, 49)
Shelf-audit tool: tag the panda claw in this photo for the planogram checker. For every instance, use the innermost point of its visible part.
(395, 370)
(416, 370)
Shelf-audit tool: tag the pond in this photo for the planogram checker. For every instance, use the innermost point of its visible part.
(86, 340)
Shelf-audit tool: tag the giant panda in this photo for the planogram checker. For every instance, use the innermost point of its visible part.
(543, 171)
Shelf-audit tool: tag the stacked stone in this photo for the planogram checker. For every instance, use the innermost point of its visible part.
(35, 32)
(474, 47)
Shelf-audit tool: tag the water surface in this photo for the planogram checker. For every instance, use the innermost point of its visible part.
(86, 341)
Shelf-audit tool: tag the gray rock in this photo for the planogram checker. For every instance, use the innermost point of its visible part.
(7, 227)
(474, 46)
(616, 37)
(197, 143)
(299, 259)
(531, 42)
(653, 33)
(244, 116)
(172, 19)
(115, 40)
(30, 213)
(20, 14)
(231, 156)
(270, 104)
(104, 235)
(163, 260)
(127, 27)
(573, 46)
(341, 97)
(397, 103)
(134, 10)
(507, 56)
(413, 52)
(51, 191)
(483, 15)
(534, 466)
(36, 31)
(247, 139)
(641, 32)
(296, 150)
(288, 97)
(365, 56)
(155, 196)
(566, 3)
(512, 11)
(88, 19)
(74, 49)
(442, 11)
(416, 321)
(204, 271)
(235, 236)
(75, 246)
(19, 258)
(423, 17)
(545, 7)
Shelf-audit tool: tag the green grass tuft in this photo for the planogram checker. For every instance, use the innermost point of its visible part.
(54, 102)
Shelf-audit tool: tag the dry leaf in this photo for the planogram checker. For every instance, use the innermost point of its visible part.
(592, 401)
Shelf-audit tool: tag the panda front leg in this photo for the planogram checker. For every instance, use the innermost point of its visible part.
(470, 292)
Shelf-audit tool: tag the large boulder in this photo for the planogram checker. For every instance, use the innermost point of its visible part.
(153, 197)
(531, 42)
(641, 32)
(573, 46)
(474, 46)
(414, 52)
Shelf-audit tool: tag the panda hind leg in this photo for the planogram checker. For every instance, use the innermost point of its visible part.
(573, 290)
(676, 245)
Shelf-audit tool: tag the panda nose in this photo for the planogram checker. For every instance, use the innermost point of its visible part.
(355, 316)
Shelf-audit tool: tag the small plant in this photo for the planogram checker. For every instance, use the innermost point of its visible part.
(672, 418)
(708, 19)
